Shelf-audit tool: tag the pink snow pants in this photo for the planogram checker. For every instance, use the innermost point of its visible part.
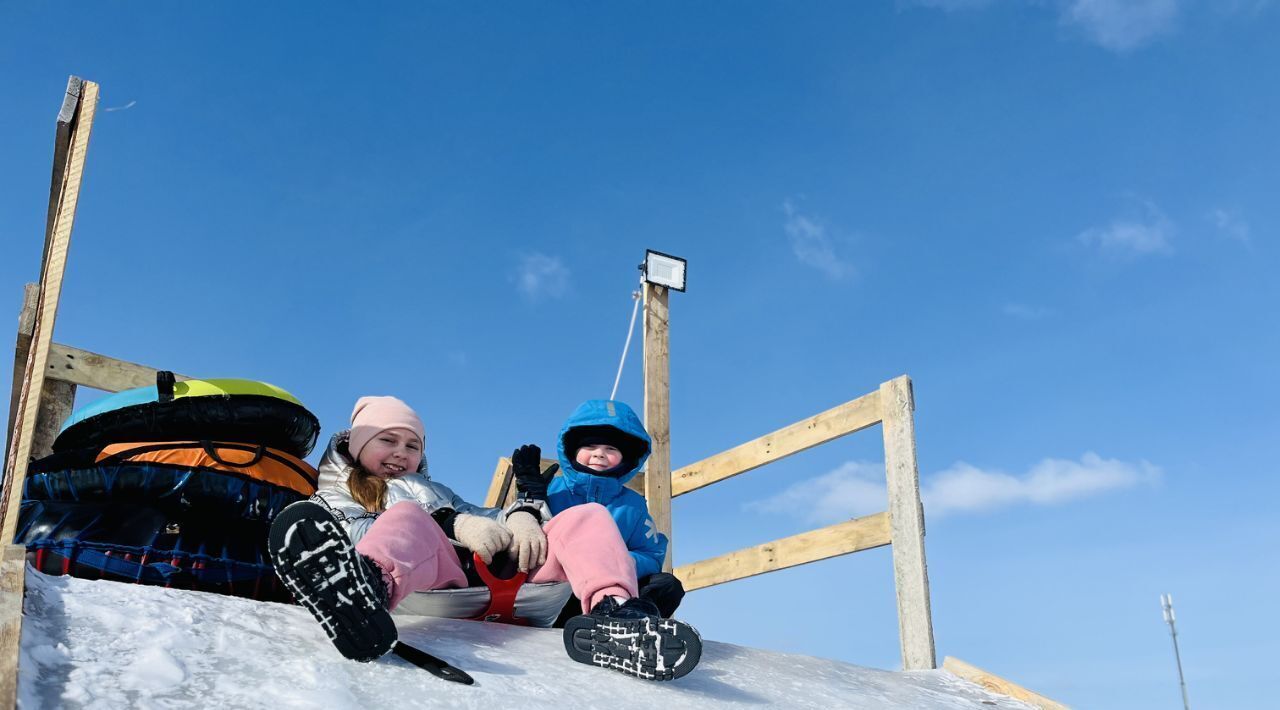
(584, 548)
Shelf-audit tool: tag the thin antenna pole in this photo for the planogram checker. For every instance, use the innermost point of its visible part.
(635, 296)
(1166, 603)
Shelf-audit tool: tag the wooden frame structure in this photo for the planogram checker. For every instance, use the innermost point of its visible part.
(901, 526)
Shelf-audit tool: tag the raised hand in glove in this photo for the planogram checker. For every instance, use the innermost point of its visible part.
(528, 542)
(481, 535)
(531, 482)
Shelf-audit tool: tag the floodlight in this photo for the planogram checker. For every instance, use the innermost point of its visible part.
(664, 269)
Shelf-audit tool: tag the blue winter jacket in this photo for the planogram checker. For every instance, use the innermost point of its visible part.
(647, 546)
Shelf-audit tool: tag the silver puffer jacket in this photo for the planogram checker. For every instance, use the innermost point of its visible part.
(418, 487)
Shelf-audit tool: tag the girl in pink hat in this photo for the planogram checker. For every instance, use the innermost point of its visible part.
(380, 528)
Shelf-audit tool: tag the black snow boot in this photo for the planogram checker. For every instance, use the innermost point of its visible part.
(633, 639)
(317, 563)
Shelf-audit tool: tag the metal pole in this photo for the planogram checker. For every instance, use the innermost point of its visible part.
(1166, 603)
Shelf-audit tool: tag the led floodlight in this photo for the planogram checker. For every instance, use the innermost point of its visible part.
(664, 269)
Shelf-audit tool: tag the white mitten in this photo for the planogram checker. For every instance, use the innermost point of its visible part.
(481, 535)
(528, 542)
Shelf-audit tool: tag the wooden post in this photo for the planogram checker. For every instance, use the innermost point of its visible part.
(906, 516)
(657, 412)
(47, 308)
(26, 326)
(75, 120)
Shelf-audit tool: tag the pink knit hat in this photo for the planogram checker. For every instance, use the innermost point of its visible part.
(377, 414)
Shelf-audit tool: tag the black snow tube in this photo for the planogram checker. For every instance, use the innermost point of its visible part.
(254, 419)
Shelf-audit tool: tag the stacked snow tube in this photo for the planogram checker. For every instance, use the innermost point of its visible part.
(174, 485)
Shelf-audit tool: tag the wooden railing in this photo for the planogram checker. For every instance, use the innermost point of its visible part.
(901, 526)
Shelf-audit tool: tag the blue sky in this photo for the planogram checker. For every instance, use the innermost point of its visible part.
(1057, 217)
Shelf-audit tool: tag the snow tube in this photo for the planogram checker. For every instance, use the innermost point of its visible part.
(138, 543)
(229, 479)
(504, 597)
(223, 410)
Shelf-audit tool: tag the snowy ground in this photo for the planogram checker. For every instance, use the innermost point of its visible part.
(108, 645)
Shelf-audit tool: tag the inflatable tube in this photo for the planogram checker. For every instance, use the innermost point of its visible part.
(135, 543)
(223, 410)
(223, 479)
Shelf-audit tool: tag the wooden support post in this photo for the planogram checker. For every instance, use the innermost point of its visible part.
(657, 412)
(26, 326)
(75, 120)
(906, 515)
(86, 95)
(13, 563)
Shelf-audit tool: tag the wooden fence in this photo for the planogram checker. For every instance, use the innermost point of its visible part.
(901, 526)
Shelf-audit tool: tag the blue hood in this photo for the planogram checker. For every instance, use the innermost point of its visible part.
(610, 413)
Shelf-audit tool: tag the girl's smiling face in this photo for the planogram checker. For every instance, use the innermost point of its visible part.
(599, 457)
(392, 453)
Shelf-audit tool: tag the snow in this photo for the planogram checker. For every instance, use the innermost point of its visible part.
(89, 644)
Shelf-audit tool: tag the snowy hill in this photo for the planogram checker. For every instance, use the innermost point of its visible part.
(108, 645)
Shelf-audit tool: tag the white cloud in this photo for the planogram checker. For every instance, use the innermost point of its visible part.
(1231, 225)
(811, 244)
(857, 488)
(1023, 311)
(1052, 481)
(1133, 236)
(539, 276)
(1122, 25)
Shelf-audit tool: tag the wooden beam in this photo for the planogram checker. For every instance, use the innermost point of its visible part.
(502, 489)
(21, 349)
(806, 434)
(906, 514)
(46, 314)
(101, 372)
(13, 562)
(839, 539)
(998, 685)
(75, 121)
(502, 475)
(56, 404)
(657, 412)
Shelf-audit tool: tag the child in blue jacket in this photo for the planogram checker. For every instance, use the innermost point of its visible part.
(601, 447)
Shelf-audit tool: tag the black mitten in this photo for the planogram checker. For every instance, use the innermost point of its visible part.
(531, 482)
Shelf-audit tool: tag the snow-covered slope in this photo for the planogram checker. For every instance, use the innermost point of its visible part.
(108, 645)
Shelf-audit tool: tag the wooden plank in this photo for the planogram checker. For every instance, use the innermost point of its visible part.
(46, 314)
(501, 482)
(101, 372)
(840, 539)
(56, 405)
(906, 515)
(13, 561)
(26, 326)
(805, 434)
(502, 489)
(998, 685)
(657, 412)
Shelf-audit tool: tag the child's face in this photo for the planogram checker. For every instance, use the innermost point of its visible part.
(392, 453)
(599, 457)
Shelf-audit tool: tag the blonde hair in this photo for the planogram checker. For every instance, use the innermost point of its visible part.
(366, 489)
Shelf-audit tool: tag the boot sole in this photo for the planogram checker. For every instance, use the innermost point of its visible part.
(648, 648)
(317, 563)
